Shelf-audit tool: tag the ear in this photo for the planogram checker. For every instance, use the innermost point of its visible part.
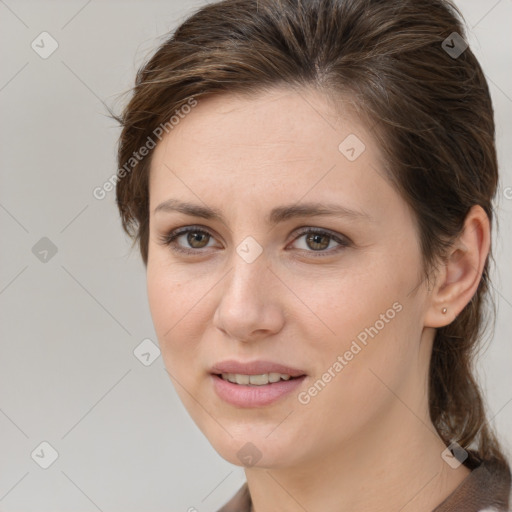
(459, 275)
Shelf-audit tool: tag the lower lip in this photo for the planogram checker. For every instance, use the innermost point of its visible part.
(254, 396)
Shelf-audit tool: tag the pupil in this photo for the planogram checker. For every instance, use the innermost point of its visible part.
(196, 237)
(314, 238)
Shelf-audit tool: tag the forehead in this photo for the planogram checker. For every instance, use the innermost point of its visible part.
(279, 142)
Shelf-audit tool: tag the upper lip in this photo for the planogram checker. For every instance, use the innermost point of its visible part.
(254, 368)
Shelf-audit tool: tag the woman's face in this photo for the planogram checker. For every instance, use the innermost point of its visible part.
(337, 296)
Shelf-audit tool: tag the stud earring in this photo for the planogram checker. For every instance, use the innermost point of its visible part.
(444, 310)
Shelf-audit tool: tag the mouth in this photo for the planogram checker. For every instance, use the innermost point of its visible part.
(256, 372)
(254, 383)
(262, 379)
(254, 391)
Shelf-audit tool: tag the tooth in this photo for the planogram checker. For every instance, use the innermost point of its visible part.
(259, 380)
(242, 379)
(255, 380)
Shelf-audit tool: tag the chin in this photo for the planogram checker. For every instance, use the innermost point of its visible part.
(255, 450)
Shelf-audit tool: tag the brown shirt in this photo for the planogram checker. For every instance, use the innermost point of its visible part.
(487, 487)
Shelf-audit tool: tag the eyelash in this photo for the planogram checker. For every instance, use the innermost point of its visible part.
(170, 238)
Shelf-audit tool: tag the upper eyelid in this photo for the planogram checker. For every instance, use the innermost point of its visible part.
(339, 238)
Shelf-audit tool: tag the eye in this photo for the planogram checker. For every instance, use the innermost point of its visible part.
(318, 240)
(195, 237)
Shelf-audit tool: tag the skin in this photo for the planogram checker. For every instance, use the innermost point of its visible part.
(365, 442)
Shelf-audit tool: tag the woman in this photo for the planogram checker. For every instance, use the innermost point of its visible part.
(311, 185)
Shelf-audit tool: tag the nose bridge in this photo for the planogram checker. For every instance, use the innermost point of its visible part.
(246, 306)
(249, 273)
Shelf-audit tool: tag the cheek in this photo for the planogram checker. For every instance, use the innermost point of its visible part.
(174, 305)
(181, 309)
(370, 361)
(161, 293)
(171, 293)
(171, 303)
(374, 324)
(344, 303)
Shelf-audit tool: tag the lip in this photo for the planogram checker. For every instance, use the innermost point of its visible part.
(247, 396)
(254, 368)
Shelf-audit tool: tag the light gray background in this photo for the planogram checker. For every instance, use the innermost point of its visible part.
(68, 374)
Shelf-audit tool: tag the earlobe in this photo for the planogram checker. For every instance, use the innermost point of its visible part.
(458, 279)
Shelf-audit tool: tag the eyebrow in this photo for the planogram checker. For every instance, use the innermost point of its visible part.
(277, 215)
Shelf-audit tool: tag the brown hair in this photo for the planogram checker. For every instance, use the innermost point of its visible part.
(431, 111)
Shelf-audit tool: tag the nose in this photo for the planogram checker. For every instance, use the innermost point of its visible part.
(250, 307)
